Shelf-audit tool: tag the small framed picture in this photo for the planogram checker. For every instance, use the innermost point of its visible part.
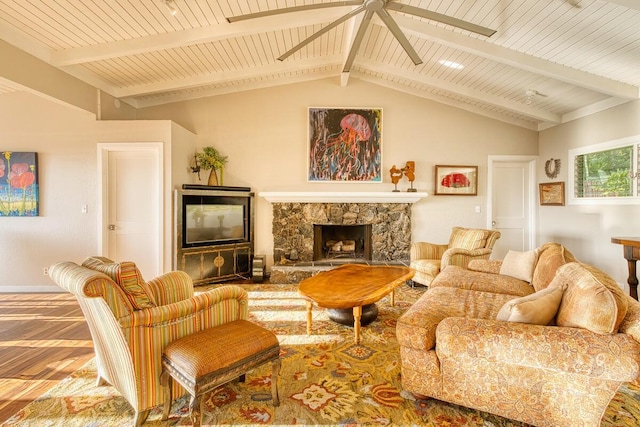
(456, 180)
(552, 194)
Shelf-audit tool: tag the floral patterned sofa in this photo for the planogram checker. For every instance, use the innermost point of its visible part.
(537, 337)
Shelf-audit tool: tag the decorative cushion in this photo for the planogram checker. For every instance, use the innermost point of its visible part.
(592, 300)
(468, 238)
(537, 309)
(551, 256)
(519, 265)
(128, 277)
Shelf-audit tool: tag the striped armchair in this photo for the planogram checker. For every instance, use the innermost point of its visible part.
(132, 321)
(465, 244)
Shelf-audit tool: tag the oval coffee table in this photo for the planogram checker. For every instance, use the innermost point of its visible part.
(352, 286)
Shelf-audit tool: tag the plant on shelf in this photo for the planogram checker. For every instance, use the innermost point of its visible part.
(210, 158)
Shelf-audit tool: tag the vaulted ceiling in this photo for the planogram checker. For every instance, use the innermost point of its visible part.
(549, 62)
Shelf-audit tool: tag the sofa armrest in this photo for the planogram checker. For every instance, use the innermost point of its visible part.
(631, 323)
(86, 283)
(569, 350)
(171, 287)
(462, 257)
(485, 265)
(425, 250)
(212, 308)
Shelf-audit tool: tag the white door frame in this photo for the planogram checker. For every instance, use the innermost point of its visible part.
(103, 182)
(532, 160)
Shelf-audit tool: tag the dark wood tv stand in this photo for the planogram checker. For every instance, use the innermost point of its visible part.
(217, 262)
(210, 264)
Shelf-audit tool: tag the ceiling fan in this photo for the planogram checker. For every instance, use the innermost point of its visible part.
(369, 7)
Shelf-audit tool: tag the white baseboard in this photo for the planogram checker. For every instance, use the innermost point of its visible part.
(52, 289)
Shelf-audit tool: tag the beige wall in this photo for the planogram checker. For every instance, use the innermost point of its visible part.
(264, 134)
(65, 139)
(66, 149)
(587, 230)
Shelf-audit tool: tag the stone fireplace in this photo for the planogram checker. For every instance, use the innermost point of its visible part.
(295, 230)
(378, 223)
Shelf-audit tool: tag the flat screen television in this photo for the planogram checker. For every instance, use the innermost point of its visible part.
(212, 219)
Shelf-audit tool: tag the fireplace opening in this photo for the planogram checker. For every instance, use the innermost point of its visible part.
(345, 242)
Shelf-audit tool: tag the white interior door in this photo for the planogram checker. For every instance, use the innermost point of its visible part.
(132, 206)
(512, 201)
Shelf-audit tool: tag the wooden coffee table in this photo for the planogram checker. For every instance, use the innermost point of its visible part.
(352, 286)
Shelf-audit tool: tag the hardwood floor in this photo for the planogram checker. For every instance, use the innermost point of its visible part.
(43, 339)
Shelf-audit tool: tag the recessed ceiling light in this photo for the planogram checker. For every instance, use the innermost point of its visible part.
(451, 64)
(171, 6)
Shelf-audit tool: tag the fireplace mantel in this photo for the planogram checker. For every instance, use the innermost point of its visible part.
(341, 196)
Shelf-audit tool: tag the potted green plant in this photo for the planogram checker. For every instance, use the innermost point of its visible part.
(210, 158)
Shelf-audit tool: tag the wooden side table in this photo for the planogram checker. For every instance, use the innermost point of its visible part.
(631, 246)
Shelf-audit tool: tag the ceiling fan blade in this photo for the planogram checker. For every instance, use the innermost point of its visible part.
(317, 34)
(294, 9)
(362, 29)
(399, 35)
(434, 16)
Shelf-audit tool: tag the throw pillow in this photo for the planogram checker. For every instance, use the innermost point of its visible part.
(550, 257)
(537, 309)
(468, 238)
(519, 265)
(592, 301)
(128, 277)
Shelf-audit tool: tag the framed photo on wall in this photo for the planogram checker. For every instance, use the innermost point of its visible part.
(552, 194)
(345, 145)
(456, 180)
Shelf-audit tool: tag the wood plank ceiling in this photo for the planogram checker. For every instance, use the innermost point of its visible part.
(549, 62)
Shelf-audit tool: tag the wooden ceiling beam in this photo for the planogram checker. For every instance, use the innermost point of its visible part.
(192, 36)
(479, 96)
(519, 60)
(229, 76)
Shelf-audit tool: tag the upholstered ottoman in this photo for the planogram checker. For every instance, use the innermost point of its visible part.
(205, 360)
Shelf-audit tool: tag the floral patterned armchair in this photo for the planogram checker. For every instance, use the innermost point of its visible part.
(132, 321)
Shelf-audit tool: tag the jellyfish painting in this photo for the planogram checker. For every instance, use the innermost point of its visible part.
(345, 144)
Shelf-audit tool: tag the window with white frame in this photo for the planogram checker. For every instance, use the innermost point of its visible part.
(605, 173)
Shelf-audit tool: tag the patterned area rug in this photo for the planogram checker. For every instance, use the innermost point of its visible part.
(325, 380)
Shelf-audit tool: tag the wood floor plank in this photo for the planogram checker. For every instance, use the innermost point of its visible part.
(43, 339)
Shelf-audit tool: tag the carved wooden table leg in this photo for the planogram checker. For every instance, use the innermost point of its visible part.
(309, 316)
(631, 249)
(357, 314)
(632, 280)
